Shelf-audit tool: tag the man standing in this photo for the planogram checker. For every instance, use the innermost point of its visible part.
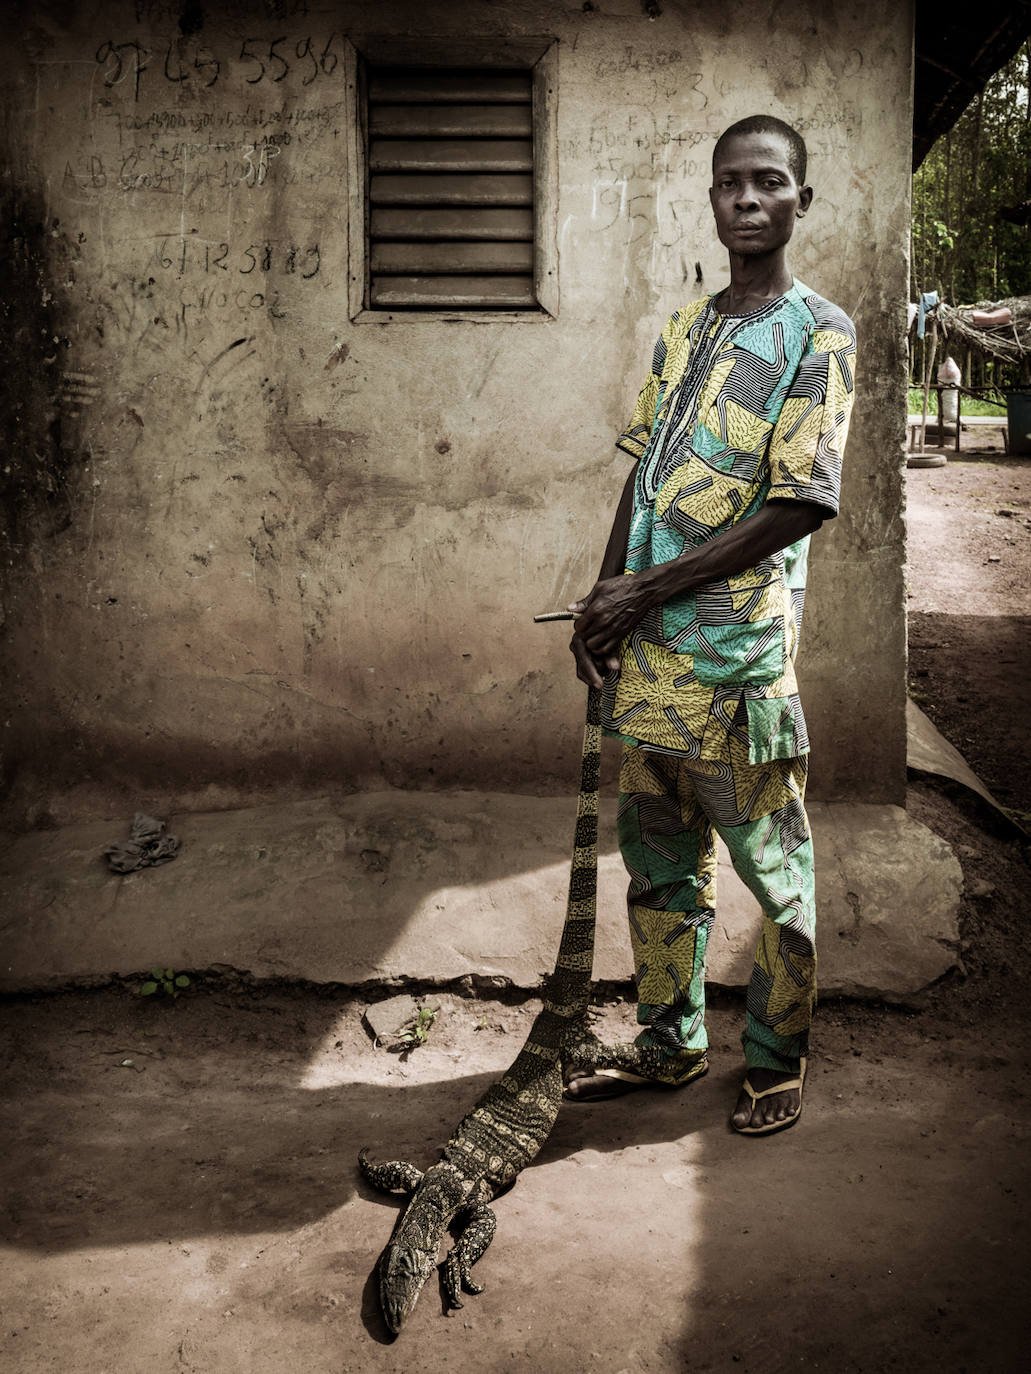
(738, 435)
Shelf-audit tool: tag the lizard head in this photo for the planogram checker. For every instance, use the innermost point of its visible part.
(403, 1269)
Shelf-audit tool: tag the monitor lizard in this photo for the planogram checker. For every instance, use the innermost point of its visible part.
(514, 1117)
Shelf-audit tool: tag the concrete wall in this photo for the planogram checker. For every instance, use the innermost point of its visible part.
(251, 544)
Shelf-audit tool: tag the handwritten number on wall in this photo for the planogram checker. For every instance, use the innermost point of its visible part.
(325, 57)
(177, 71)
(112, 54)
(273, 56)
(182, 74)
(251, 57)
(304, 50)
(261, 61)
(256, 257)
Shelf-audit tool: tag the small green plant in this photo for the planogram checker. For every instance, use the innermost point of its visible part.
(164, 980)
(417, 1031)
(972, 405)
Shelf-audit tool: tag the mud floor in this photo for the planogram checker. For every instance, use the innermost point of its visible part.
(180, 1177)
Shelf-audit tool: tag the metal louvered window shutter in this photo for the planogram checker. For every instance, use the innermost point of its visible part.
(451, 189)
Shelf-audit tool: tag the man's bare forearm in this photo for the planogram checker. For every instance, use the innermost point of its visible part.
(771, 529)
(613, 563)
(614, 560)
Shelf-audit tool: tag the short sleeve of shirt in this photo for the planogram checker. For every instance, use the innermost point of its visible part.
(808, 440)
(634, 439)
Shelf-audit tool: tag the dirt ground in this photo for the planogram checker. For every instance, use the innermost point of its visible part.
(182, 1194)
(970, 612)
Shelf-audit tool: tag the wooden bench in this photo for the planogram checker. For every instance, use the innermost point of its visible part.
(967, 422)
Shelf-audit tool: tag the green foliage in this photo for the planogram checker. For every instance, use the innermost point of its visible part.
(164, 980)
(972, 405)
(417, 1031)
(944, 237)
(961, 245)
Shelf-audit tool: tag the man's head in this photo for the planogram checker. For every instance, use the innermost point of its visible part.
(769, 124)
(758, 185)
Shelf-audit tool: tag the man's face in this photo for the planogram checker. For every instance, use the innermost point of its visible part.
(754, 195)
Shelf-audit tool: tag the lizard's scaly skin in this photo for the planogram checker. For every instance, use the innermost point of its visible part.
(514, 1117)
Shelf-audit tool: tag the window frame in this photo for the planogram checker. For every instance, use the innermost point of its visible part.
(537, 55)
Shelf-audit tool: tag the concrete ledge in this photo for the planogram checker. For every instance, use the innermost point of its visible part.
(382, 886)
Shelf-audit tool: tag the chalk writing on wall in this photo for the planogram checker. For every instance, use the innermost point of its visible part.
(195, 137)
(175, 166)
(649, 164)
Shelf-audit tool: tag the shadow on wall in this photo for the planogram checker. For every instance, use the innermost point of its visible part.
(246, 737)
(42, 405)
(41, 456)
(341, 891)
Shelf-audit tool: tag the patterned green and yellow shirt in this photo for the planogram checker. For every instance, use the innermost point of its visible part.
(737, 410)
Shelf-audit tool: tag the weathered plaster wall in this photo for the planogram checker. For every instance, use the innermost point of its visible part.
(251, 543)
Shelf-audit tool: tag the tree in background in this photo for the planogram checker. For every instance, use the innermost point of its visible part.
(971, 235)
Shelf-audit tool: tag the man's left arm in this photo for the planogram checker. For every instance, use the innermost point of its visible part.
(618, 603)
(805, 454)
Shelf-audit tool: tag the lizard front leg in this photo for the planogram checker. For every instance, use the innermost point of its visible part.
(392, 1176)
(581, 1051)
(477, 1234)
(672, 1068)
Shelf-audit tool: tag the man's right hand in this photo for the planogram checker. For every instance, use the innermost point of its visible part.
(587, 669)
(590, 669)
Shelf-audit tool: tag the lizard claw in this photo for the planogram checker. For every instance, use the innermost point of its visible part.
(457, 1276)
(452, 1281)
(471, 1286)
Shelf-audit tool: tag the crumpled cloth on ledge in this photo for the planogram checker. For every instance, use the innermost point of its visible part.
(147, 845)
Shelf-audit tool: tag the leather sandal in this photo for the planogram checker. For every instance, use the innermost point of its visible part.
(626, 1081)
(774, 1126)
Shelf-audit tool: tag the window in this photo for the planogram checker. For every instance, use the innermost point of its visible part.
(458, 208)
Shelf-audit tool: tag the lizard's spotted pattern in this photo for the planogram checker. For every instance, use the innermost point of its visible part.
(514, 1117)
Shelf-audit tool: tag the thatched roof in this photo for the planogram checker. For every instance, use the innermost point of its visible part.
(1008, 342)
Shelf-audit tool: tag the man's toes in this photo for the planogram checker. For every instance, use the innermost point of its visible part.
(779, 1107)
(767, 1111)
(597, 1086)
(742, 1113)
(583, 1084)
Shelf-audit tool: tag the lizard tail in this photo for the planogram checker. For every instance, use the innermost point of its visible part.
(570, 984)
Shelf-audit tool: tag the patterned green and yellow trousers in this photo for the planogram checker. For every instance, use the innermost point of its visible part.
(670, 811)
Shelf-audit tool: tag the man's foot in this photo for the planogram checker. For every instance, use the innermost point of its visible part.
(765, 1110)
(584, 1086)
